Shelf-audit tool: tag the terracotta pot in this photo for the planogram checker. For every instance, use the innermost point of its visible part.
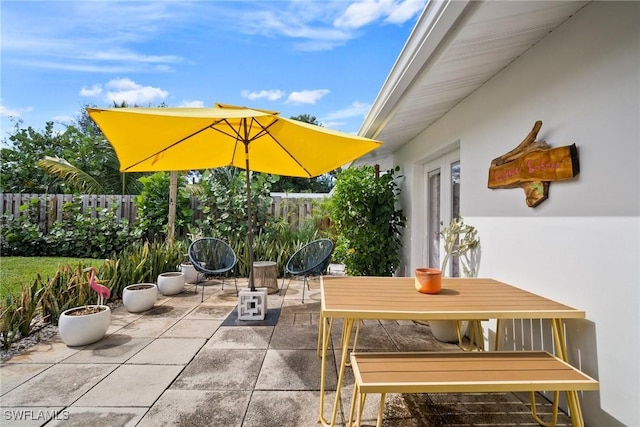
(428, 280)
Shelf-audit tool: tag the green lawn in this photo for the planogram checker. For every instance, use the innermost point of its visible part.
(18, 271)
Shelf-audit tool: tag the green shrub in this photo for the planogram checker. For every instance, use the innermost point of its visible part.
(78, 235)
(22, 235)
(17, 313)
(9, 324)
(367, 222)
(140, 263)
(223, 201)
(68, 288)
(153, 206)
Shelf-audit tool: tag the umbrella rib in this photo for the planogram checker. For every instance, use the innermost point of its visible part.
(266, 130)
(169, 146)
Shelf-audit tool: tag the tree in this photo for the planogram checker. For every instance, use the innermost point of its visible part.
(19, 171)
(77, 160)
(153, 205)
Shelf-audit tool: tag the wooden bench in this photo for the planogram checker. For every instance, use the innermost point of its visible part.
(445, 372)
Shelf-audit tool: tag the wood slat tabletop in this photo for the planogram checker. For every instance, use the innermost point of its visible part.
(395, 298)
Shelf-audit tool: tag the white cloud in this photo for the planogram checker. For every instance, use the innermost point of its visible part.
(124, 55)
(130, 92)
(126, 90)
(191, 104)
(318, 26)
(333, 124)
(271, 95)
(365, 12)
(14, 112)
(356, 109)
(362, 13)
(405, 11)
(93, 91)
(307, 96)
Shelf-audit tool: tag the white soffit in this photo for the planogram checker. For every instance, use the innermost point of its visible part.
(455, 47)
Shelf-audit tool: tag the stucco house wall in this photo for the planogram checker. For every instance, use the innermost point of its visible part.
(582, 245)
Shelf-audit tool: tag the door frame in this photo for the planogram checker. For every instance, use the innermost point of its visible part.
(443, 163)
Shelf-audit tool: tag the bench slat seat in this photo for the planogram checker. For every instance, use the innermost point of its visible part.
(457, 372)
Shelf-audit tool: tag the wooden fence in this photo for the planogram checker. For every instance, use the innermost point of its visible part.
(291, 207)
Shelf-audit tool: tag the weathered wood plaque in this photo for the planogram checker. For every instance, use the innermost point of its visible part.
(532, 165)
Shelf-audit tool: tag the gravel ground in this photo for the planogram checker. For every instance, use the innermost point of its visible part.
(41, 332)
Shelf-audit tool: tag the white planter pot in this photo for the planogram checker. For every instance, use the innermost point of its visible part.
(171, 283)
(190, 273)
(446, 330)
(139, 297)
(86, 328)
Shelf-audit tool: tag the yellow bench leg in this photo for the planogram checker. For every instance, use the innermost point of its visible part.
(554, 414)
(380, 410)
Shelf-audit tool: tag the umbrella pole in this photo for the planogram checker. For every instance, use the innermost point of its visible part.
(250, 216)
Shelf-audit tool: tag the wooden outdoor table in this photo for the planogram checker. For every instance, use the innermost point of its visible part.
(395, 298)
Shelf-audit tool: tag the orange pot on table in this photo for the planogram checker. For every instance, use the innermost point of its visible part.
(428, 280)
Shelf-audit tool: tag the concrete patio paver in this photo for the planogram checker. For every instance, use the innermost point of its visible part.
(115, 348)
(59, 385)
(30, 416)
(211, 312)
(295, 337)
(221, 369)
(99, 417)
(148, 327)
(284, 408)
(198, 408)
(241, 337)
(193, 328)
(302, 368)
(131, 385)
(52, 351)
(14, 374)
(168, 351)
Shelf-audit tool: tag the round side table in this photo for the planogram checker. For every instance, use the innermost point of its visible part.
(265, 275)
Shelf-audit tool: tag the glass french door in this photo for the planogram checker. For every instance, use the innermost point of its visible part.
(443, 203)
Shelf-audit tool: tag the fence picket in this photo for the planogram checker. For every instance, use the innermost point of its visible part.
(291, 208)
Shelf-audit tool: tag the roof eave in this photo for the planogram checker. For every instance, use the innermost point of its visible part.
(434, 28)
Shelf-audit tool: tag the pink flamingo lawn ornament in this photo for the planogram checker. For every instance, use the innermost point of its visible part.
(103, 292)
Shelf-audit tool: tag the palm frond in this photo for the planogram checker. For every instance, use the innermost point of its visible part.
(79, 179)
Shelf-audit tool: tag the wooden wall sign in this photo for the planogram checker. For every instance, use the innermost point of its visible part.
(532, 165)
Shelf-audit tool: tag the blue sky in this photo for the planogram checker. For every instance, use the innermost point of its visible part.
(323, 58)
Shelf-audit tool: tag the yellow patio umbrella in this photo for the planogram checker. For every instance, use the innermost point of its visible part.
(176, 139)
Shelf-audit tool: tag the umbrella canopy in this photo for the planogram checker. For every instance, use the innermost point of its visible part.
(176, 139)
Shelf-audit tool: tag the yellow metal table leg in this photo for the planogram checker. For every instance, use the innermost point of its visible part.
(347, 327)
(327, 325)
